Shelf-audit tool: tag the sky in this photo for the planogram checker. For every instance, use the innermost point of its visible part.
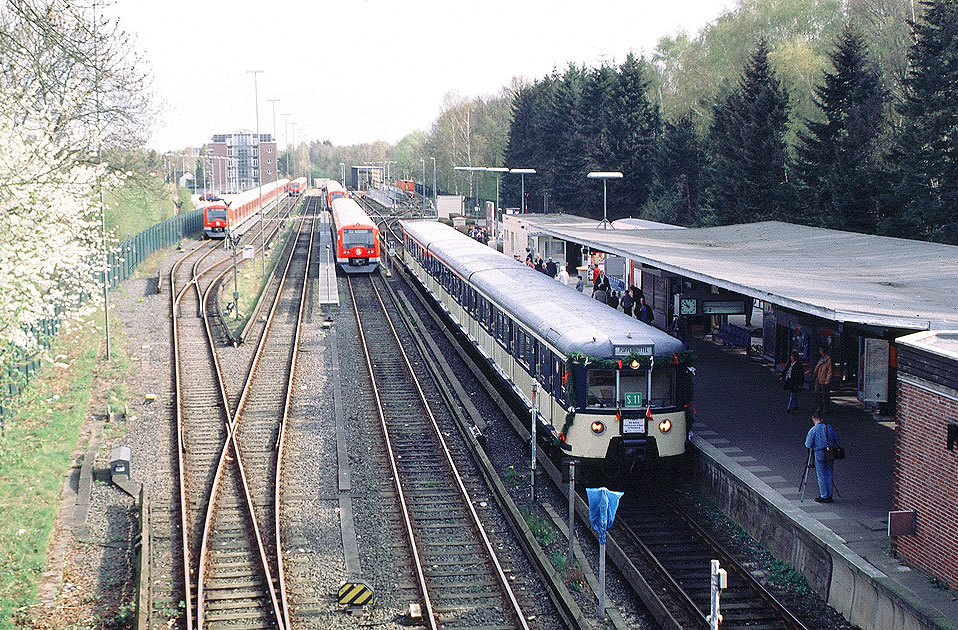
(353, 71)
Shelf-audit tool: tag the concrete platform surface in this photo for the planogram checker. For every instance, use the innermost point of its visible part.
(740, 409)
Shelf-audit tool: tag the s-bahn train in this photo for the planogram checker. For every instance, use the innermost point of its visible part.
(610, 389)
(221, 216)
(357, 236)
(297, 187)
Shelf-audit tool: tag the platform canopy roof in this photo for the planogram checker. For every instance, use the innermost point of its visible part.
(839, 276)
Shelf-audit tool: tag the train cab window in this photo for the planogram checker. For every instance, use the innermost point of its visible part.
(634, 382)
(663, 390)
(601, 388)
(357, 238)
(216, 214)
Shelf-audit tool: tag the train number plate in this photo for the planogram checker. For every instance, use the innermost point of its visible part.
(633, 425)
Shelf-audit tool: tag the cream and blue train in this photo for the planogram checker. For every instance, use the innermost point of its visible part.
(609, 388)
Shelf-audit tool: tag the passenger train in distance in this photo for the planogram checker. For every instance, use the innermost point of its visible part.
(610, 389)
(221, 216)
(297, 187)
(357, 236)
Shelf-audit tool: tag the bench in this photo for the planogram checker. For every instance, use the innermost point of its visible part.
(734, 335)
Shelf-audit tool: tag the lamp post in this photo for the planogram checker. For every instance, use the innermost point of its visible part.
(605, 176)
(435, 195)
(286, 138)
(522, 172)
(342, 165)
(259, 170)
(498, 170)
(423, 162)
(275, 143)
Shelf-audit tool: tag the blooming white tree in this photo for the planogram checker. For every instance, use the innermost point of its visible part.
(69, 88)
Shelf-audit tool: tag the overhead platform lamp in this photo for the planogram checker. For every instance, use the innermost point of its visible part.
(523, 172)
(605, 176)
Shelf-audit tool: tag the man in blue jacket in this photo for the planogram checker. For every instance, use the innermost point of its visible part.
(820, 436)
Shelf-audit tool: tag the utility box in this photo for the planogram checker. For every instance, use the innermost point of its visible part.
(120, 462)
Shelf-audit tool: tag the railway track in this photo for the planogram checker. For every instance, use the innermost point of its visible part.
(460, 578)
(202, 426)
(241, 579)
(657, 533)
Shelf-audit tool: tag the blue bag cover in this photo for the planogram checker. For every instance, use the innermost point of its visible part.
(602, 506)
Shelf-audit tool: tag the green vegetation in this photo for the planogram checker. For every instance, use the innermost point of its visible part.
(36, 448)
(138, 205)
(541, 528)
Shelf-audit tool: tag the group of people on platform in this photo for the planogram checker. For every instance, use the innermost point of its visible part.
(479, 233)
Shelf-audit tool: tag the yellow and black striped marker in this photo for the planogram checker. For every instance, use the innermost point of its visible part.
(355, 594)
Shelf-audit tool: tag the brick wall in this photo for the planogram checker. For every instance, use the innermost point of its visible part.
(926, 479)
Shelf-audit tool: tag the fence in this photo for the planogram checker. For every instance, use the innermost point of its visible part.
(122, 261)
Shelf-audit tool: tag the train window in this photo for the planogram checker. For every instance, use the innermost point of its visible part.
(523, 353)
(663, 391)
(545, 359)
(357, 238)
(216, 214)
(634, 382)
(601, 392)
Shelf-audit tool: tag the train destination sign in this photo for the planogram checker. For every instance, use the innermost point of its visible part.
(643, 350)
(723, 307)
(633, 399)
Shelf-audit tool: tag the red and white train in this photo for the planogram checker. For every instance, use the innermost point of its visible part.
(221, 216)
(357, 236)
(297, 187)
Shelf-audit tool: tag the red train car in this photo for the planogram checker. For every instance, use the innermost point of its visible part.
(223, 216)
(297, 187)
(406, 184)
(357, 237)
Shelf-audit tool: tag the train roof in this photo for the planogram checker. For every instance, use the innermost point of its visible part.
(571, 321)
(332, 185)
(250, 195)
(347, 212)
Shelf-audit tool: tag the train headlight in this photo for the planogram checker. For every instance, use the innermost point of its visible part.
(665, 426)
(598, 427)
(635, 364)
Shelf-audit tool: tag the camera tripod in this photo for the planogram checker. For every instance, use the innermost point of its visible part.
(810, 465)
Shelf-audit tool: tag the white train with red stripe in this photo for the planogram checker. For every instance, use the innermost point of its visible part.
(222, 216)
(297, 187)
(357, 236)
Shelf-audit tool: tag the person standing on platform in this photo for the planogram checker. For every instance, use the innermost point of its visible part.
(626, 303)
(793, 380)
(644, 312)
(613, 300)
(820, 436)
(563, 275)
(824, 371)
(679, 328)
(552, 269)
(579, 285)
(528, 255)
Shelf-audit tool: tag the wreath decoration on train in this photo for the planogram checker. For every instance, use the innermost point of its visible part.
(682, 359)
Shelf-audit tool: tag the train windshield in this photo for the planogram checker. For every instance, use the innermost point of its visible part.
(336, 195)
(216, 214)
(633, 388)
(357, 238)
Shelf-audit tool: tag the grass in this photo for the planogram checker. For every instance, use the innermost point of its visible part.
(36, 449)
(542, 529)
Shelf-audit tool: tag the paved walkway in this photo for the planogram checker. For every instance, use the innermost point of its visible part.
(740, 409)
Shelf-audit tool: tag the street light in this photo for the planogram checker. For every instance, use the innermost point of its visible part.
(259, 170)
(605, 176)
(275, 141)
(435, 195)
(523, 172)
(423, 162)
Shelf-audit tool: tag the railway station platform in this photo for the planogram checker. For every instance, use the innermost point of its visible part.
(750, 456)
(327, 289)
